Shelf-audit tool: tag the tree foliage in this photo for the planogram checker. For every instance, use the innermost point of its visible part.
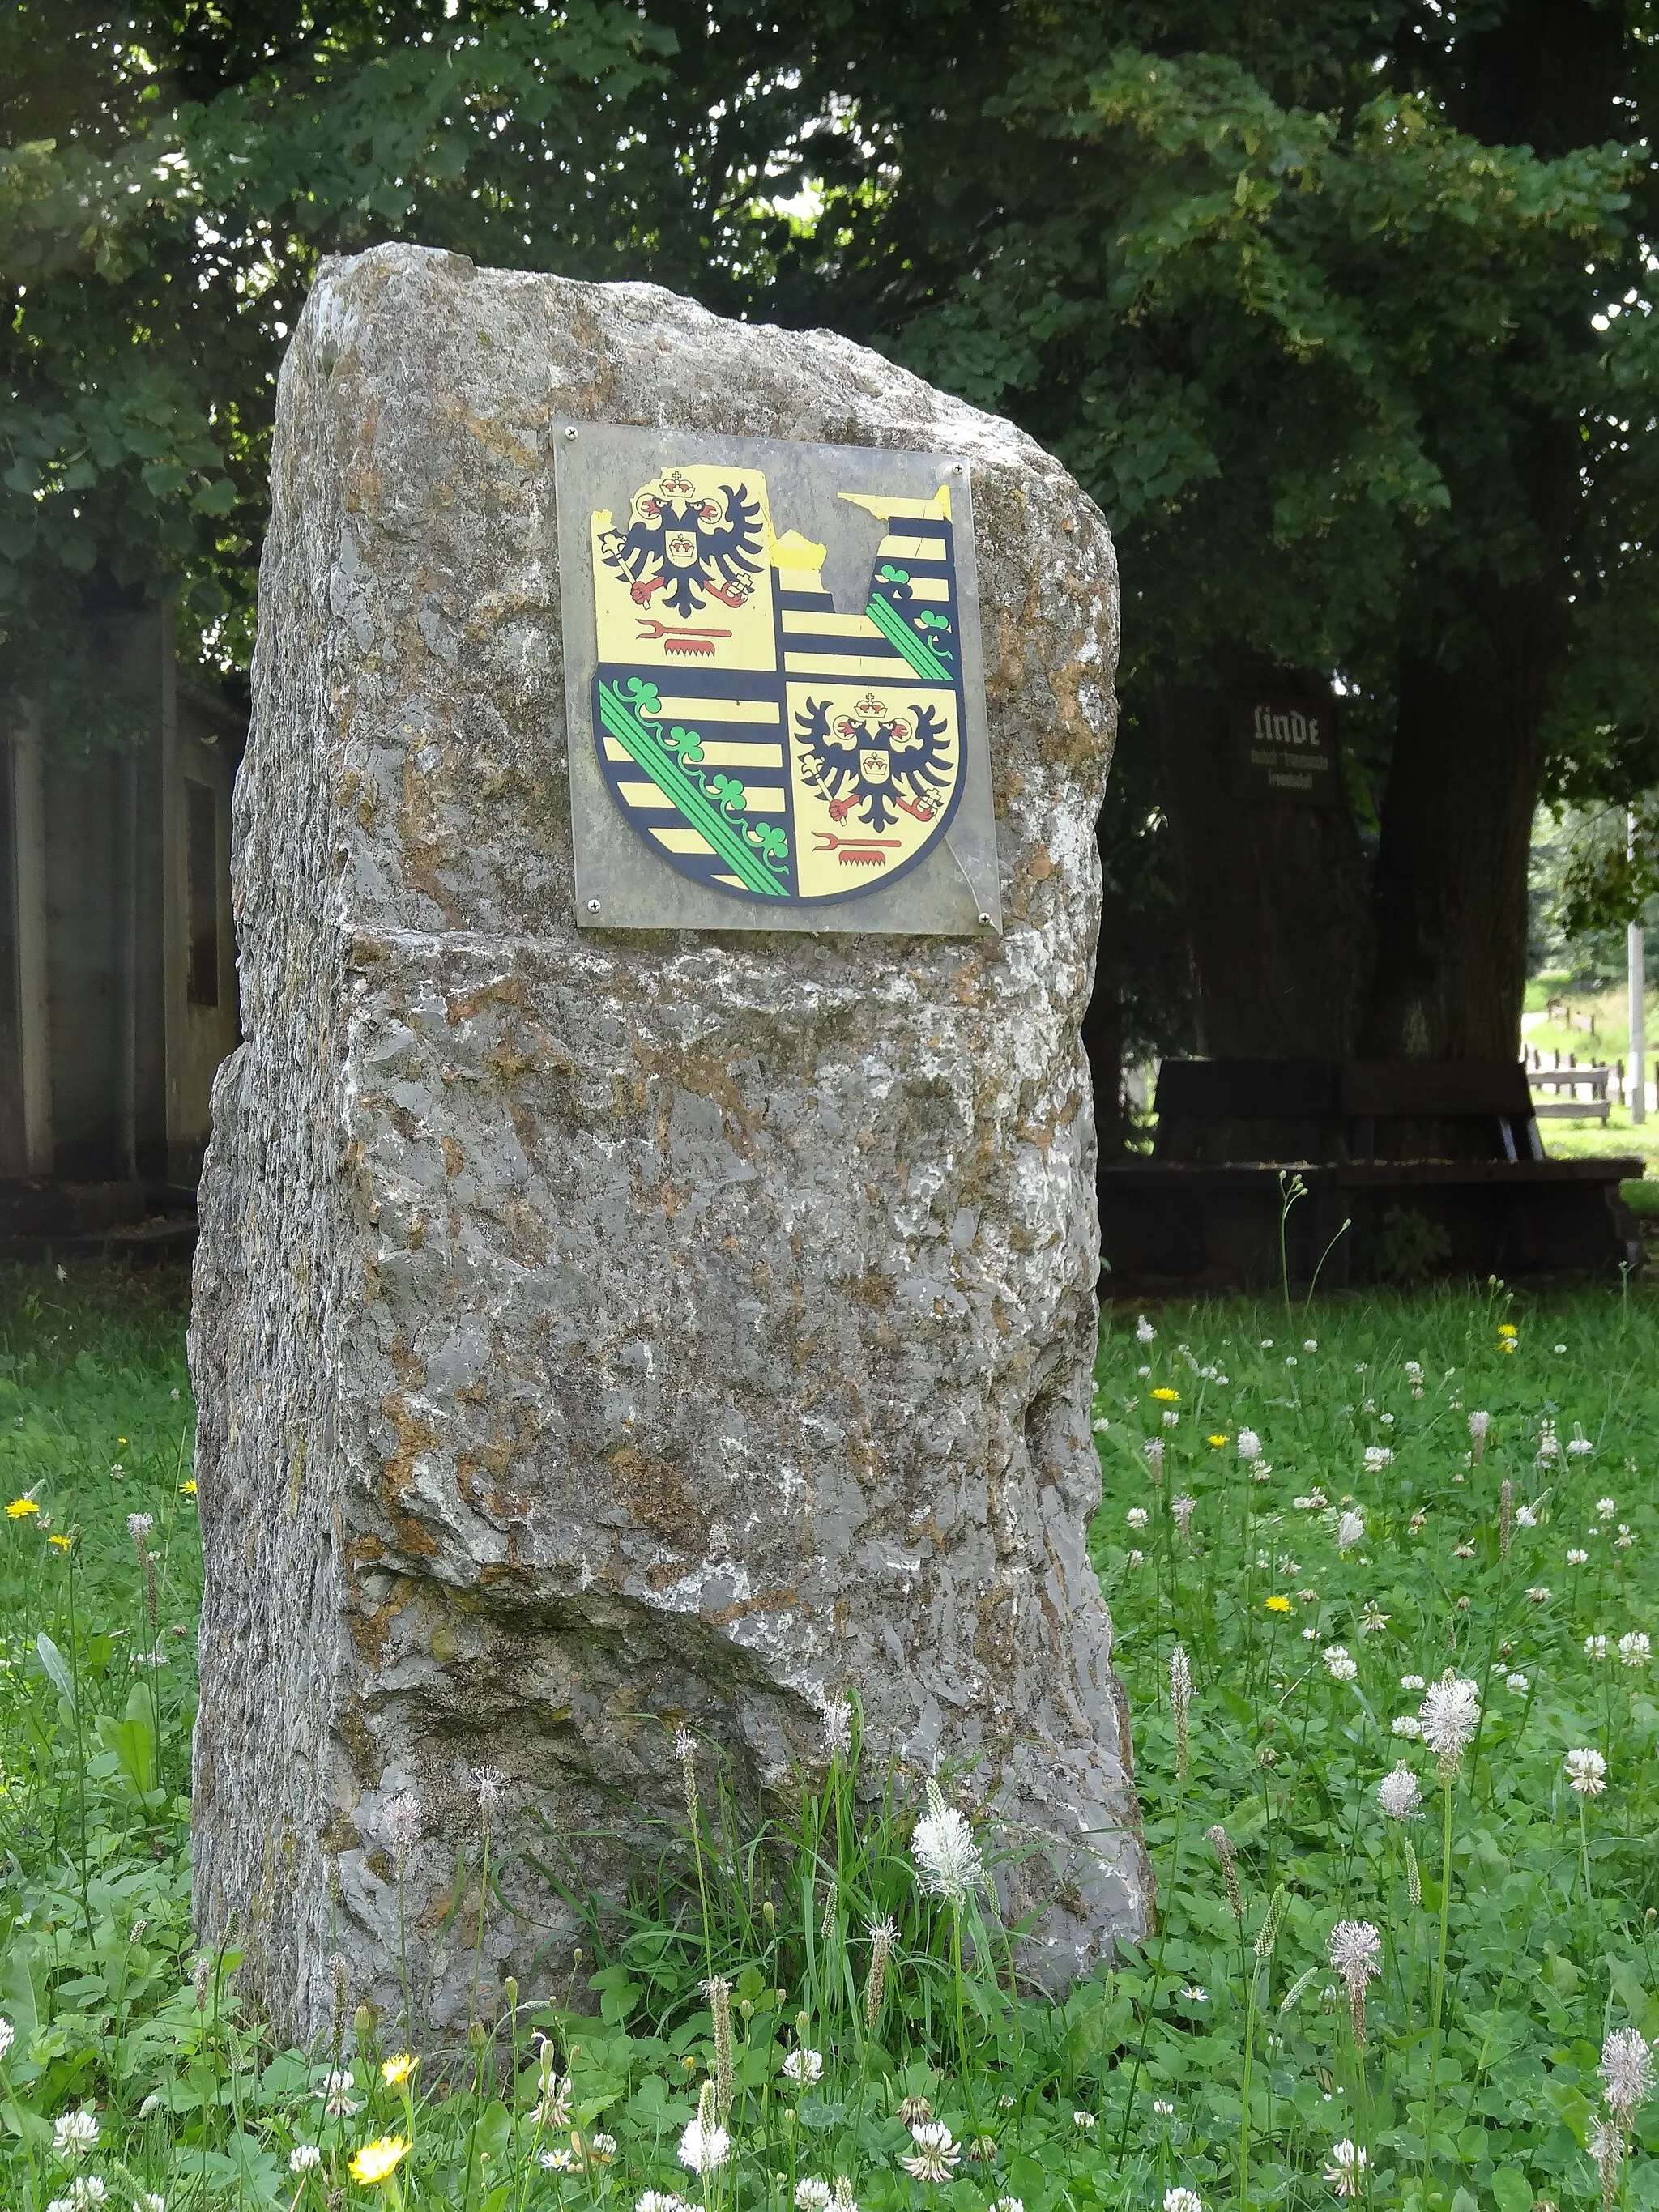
(1342, 311)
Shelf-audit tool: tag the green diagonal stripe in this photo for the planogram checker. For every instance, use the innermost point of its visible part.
(647, 751)
(916, 650)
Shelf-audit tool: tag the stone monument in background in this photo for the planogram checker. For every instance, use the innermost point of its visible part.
(616, 1316)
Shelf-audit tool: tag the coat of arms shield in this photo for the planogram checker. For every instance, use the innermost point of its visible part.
(772, 652)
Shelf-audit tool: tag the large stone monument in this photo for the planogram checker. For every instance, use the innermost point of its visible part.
(600, 1332)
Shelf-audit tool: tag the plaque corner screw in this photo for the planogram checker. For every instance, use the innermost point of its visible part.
(985, 922)
(592, 906)
(569, 429)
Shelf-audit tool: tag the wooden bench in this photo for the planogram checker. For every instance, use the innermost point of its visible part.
(1441, 1157)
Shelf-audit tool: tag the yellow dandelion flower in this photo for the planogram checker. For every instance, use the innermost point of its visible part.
(62, 1543)
(119, 1441)
(1507, 1328)
(396, 2071)
(1217, 1442)
(187, 1487)
(378, 2159)
(1277, 1604)
(21, 1508)
(1169, 1396)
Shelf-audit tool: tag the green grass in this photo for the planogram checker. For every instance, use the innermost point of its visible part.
(1220, 2057)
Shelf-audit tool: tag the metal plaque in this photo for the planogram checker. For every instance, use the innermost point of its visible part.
(1285, 748)
(775, 687)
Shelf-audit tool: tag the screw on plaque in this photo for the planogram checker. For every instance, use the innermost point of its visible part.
(569, 429)
(592, 906)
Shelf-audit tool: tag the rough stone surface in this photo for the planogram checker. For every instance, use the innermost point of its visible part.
(594, 1336)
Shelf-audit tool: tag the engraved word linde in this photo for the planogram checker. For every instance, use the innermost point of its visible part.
(777, 738)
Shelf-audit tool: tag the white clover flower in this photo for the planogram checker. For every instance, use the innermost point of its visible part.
(1009, 2204)
(1577, 1555)
(1310, 1343)
(1137, 1558)
(1526, 1516)
(805, 2068)
(667, 2200)
(1606, 1507)
(1596, 1647)
(1398, 1793)
(811, 2196)
(1136, 1516)
(74, 2134)
(1450, 1712)
(1143, 1330)
(1163, 2108)
(336, 2093)
(1378, 1456)
(1587, 1772)
(1412, 1682)
(1408, 1725)
(704, 2147)
(303, 2157)
(1350, 1531)
(1170, 1418)
(1626, 2071)
(1539, 1594)
(1347, 2170)
(1516, 1684)
(837, 1719)
(555, 2106)
(947, 1858)
(1249, 1444)
(1579, 1446)
(1549, 1446)
(1463, 1551)
(937, 2152)
(1340, 1666)
(1635, 1649)
(1624, 1540)
(1373, 1620)
(1183, 2200)
(1082, 2120)
(86, 2192)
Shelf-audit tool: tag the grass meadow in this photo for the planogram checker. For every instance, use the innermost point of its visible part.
(1384, 1579)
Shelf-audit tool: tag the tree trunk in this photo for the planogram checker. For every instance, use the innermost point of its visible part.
(1451, 873)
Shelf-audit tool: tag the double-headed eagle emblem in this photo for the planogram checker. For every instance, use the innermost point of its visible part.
(874, 762)
(688, 546)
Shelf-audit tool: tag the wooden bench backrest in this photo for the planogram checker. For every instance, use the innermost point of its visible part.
(1316, 1109)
